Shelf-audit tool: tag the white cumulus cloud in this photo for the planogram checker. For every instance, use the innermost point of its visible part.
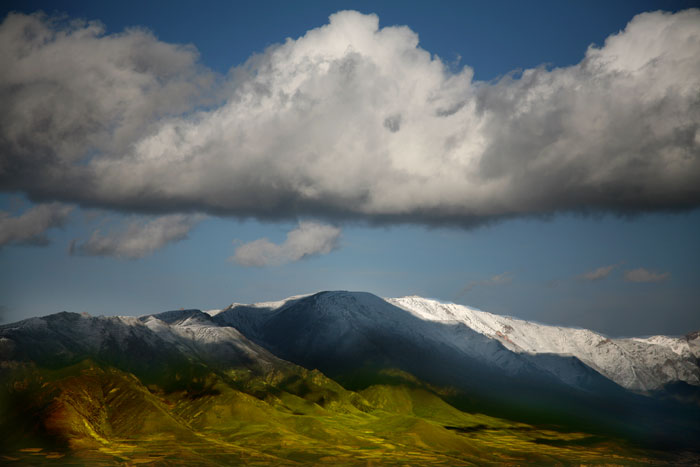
(308, 239)
(350, 121)
(70, 93)
(139, 239)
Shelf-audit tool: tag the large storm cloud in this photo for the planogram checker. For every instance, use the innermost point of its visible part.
(350, 121)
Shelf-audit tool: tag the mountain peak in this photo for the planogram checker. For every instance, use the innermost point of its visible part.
(182, 316)
(340, 318)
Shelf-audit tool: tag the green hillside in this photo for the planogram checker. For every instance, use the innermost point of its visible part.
(90, 413)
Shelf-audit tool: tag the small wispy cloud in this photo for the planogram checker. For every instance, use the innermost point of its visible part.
(30, 227)
(645, 275)
(600, 273)
(139, 239)
(498, 279)
(308, 239)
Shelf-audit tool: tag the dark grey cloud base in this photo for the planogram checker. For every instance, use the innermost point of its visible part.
(350, 121)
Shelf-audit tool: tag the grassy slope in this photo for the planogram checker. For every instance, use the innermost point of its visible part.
(93, 414)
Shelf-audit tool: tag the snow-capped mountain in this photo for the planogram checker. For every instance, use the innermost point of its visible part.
(341, 331)
(640, 364)
(340, 326)
(336, 331)
(148, 345)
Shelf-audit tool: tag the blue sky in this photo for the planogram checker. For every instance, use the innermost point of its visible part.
(622, 265)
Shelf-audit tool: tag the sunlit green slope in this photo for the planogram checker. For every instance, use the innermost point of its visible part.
(94, 414)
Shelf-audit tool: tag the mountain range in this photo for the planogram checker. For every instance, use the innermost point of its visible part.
(342, 377)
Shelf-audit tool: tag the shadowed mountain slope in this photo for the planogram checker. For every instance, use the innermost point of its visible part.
(350, 335)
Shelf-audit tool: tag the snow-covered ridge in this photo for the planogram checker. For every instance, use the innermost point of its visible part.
(640, 364)
(328, 320)
(271, 305)
(334, 321)
(178, 335)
